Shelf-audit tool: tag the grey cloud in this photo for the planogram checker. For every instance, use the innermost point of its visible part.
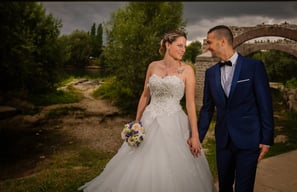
(194, 11)
(200, 16)
(81, 15)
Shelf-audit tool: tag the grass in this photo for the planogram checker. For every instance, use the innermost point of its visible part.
(60, 96)
(56, 97)
(106, 90)
(64, 171)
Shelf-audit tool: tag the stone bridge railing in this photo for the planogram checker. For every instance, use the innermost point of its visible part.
(285, 46)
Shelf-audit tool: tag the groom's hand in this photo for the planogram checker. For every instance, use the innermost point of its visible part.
(264, 149)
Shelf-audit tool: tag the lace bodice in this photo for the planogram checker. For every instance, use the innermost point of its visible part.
(166, 94)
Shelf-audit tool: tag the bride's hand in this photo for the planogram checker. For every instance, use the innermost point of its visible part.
(195, 146)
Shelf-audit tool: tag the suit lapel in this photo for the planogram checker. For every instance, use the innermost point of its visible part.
(235, 76)
(219, 88)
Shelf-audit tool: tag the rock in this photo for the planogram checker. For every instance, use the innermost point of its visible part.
(280, 139)
(7, 111)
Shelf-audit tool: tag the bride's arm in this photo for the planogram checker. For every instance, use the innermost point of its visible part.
(145, 96)
(190, 82)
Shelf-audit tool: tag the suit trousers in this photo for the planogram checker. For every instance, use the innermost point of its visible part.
(236, 168)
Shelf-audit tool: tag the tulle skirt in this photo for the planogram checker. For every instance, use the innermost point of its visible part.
(162, 163)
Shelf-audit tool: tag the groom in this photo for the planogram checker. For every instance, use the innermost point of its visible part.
(238, 88)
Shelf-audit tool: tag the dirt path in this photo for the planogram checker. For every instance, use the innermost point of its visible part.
(25, 139)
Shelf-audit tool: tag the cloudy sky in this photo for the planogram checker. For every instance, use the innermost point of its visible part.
(200, 16)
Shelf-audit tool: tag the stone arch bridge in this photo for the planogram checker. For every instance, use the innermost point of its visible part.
(288, 46)
(242, 43)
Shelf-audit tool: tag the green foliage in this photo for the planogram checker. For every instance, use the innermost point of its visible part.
(192, 51)
(278, 99)
(55, 97)
(292, 115)
(285, 124)
(280, 66)
(81, 48)
(93, 30)
(210, 147)
(107, 89)
(289, 129)
(29, 59)
(134, 35)
(96, 40)
(63, 50)
(210, 150)
(291, 83)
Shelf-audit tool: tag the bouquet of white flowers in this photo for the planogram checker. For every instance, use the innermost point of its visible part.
(133, 133)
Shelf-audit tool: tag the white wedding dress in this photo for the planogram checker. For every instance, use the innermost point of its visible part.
(163, 161)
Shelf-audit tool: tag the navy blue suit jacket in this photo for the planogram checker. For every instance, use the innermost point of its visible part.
(246, 116)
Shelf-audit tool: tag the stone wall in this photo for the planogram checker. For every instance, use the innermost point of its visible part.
(203, 62)
(291, 98)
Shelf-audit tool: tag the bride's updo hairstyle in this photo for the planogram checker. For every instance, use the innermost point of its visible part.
(170, 37)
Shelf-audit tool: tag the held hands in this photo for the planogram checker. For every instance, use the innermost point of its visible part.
(195, 146)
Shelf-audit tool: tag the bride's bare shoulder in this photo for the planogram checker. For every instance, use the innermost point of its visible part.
(154, 64)
(188, 66)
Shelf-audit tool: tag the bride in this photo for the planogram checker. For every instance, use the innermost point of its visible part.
(164, 161)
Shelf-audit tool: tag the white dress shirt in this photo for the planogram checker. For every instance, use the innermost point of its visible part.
(227, 74)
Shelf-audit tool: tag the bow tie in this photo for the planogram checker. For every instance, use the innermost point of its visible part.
(229, 63)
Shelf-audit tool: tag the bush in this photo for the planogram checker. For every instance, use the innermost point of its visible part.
(292, 83)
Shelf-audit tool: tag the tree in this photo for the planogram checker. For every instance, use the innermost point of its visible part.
(96, 43)
(280, 66)
(99, 39)
(28, 47)
(81, 48)
(93, 30)
(192, 51)
(63, 50)
(133, 40)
